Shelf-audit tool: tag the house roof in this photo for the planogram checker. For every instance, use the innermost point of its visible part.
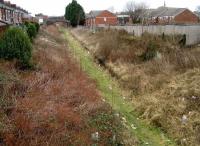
(165, 11)
(87, 15)
(95, 13)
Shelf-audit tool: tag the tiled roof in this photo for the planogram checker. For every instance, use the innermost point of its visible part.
(96, 13)
(165, 11)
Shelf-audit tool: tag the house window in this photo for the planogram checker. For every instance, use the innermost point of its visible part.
(12, 16)
(16, 17)
(1, 14)
(9, 15)
(6, 13)
(104, 19)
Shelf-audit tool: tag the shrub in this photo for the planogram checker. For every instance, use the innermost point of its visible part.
(15, 44)
(151, 51)
(31, 30)
(37, 25)
(114, 45)
(26, 23)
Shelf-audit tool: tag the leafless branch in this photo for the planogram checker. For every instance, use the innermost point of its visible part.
(136, 10)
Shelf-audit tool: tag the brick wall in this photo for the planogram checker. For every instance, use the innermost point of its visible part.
(105, 18)
(186, 17)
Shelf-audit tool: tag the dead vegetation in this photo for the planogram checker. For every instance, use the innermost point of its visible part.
(56, 104)
(162, 75)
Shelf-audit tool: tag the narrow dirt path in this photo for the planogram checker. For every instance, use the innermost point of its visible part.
(58, 104)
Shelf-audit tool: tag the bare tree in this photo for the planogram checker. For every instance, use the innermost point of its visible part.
(137, 11)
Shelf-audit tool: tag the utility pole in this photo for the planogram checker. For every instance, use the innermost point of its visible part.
(164, 4)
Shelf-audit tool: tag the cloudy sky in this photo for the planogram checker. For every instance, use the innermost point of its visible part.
(57, 7)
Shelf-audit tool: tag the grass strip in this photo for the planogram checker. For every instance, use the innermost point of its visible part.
(146, 134)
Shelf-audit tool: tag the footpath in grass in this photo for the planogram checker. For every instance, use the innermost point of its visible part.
(147, 135)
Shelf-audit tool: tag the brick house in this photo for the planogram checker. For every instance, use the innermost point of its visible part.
(168, 15)
(11, 14)
(100, 18)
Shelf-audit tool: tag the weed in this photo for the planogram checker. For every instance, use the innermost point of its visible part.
(151, 51)
(108, 126)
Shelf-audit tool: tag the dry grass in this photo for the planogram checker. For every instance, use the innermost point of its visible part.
(167, 107)
(164, 88)
(54, 103)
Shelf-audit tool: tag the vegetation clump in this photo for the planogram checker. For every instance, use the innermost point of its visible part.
(37, 25)
(151, 51)
(31, 30)
(161, 74)
(109, 127)
(75, 13)
(15, 44)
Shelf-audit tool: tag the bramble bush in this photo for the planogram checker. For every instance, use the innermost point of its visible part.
(15, 44)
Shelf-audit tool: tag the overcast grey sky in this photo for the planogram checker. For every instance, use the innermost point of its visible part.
(57, 7)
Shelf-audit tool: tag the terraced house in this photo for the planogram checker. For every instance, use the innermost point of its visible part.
(11, 14)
